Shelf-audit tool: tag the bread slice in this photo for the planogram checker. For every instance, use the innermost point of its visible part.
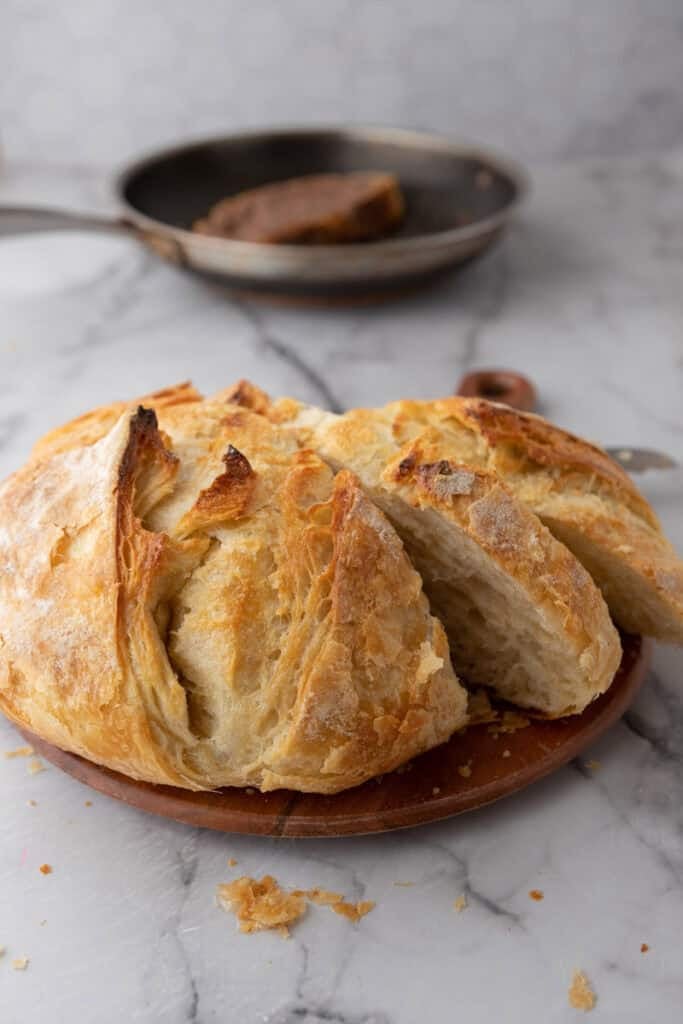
(318, 209)
(522, 615)
(208, 605)
(584, 498)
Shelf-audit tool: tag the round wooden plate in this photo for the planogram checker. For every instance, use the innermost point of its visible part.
(431, 788)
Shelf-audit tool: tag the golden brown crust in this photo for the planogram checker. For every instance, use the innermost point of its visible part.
(520, 584)
(202, 603)
(583, 496)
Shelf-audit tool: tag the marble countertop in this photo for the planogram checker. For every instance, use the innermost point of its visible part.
(586, 295)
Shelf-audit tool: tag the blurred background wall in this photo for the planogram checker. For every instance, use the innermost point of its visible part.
(94, 81)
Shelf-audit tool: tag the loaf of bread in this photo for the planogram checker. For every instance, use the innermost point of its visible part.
(202, 602)
(317, 209)
(234, 591)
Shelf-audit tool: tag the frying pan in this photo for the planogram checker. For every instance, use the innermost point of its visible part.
(458, 199)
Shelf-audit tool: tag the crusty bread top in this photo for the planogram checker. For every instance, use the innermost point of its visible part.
(207, 604)
(517, 443)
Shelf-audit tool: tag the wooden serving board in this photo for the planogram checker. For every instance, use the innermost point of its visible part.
(431, 789)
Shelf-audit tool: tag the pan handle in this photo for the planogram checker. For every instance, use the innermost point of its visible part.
(18, 220)
(22, 219)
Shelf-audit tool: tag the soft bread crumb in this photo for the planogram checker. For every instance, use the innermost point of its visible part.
(88, 803)
(465, 770)
(19, 752)
(31, 803)
(45, 869)
(644, 947)
(536, 894)
(20, 964)
(460, 904)
(231, 862)
(35, 766)
(581, 995)
(261, 904)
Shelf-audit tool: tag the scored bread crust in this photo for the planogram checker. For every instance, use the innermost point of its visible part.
(582, 495)
(202, 603)
(522, 615)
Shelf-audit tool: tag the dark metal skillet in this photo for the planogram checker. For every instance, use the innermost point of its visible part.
(459, 200)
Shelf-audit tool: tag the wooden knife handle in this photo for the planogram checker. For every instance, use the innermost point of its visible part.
(505, 386)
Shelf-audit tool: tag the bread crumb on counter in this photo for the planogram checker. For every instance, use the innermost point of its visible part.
(35, 766)
(644, 947)
(460, 904)
(260, 905)
(19, 752)
(88, 803)
(581, 995)
(31, 803)
(20, 964)
(45, 869)
(2, 950)
(231, 862)
(264, 904)
(536, 894)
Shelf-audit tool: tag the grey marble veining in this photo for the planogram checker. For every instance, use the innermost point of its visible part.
(585, 295)
(99, 80)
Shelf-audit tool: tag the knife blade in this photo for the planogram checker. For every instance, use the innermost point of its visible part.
(638, 460)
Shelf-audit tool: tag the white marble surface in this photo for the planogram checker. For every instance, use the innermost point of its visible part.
(98, 80)
(586, 296)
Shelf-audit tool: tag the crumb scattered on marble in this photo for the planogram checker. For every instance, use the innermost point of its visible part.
(536, 894)
(20, 964)
(506, 753)
(261, 904)
(45, 869)
(336, 902)
(436, 790)
(2, 950)
(644, 947)
(88, 803)
(231, 862)
(19, 752)
(31, 803)
(264, 904)
(460, 904)
(581, 995)
(35, 766)
(404, 885)
(465, 769)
